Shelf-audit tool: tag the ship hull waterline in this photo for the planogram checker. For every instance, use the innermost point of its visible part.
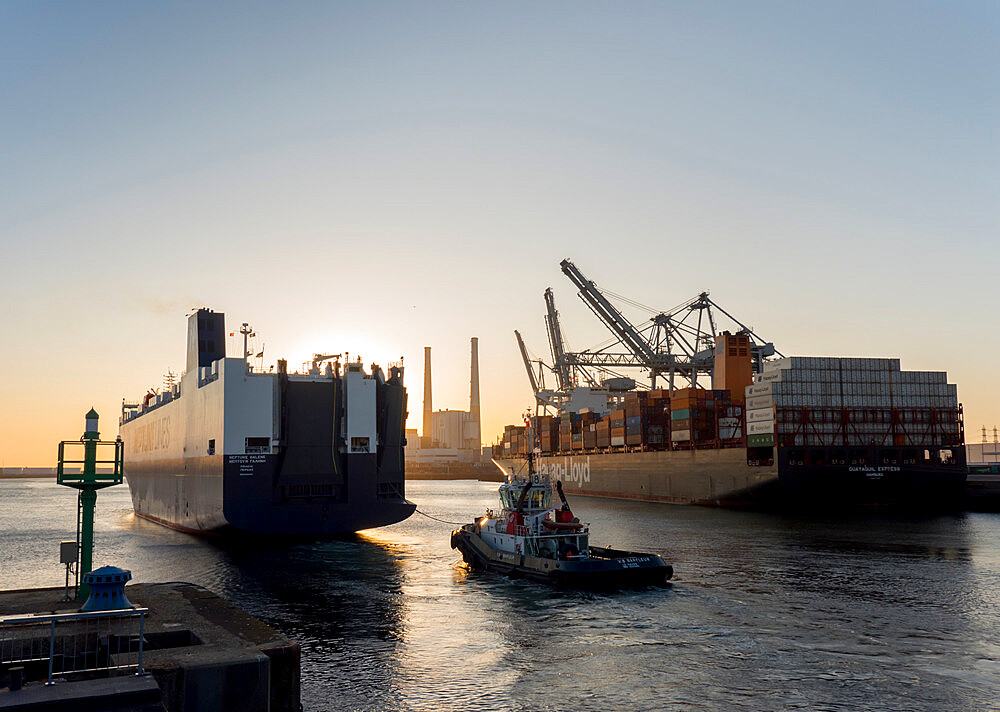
(722, 478)
(203, 512)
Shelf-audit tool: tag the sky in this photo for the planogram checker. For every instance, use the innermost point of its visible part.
(380, 177)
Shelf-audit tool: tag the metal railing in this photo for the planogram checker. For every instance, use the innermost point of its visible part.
(74, 642)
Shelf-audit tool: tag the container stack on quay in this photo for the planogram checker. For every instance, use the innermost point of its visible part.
(817, 401)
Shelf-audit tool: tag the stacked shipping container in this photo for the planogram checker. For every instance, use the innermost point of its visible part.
(806, 401)
(796, 401)
(699, 417)
(515, 442)
(547, 428)
(648, 421)
(692, 415)
(645, 418)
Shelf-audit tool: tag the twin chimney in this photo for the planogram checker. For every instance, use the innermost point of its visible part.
(473, 439)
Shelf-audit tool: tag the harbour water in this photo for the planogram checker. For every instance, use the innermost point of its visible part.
(765, 611)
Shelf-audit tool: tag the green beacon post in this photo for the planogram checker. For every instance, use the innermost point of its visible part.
(86, 476)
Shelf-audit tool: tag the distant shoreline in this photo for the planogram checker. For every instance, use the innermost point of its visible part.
(23, 473)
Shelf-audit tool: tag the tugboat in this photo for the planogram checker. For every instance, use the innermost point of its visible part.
(530, 538)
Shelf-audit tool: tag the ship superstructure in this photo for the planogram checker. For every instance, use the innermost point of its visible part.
(306, 454)
(530, 537)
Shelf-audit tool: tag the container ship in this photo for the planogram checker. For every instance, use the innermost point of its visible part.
(814, 431)
(228, 449)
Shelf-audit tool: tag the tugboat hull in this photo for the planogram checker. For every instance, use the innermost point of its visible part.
(603, 569)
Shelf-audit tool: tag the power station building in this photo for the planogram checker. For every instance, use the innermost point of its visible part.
(448, 436)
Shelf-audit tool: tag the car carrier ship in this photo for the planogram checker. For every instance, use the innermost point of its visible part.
(303, 454)
(813, 431)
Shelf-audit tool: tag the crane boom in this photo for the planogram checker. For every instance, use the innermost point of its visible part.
(679, 342)
(606, 312)
(527, 363)
(559, 364)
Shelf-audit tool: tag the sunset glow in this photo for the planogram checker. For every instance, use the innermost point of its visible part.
(376, 179)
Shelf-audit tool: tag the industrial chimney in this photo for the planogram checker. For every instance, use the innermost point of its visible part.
(425, 440)
(476, 435)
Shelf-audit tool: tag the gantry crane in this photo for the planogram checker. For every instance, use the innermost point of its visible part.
(564, 379)
(669, 344)
(679, 342)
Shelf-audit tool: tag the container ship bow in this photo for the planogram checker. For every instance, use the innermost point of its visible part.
(297, 454)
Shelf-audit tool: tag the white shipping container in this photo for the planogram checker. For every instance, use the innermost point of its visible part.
(617, 440)
(775, 365)
(764, 426)
(729, 423)
(762, 389)
(767, 376)
(679, 435)
(761, 402)
(759, 414)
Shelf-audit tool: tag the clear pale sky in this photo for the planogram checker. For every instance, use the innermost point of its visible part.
(377, 177)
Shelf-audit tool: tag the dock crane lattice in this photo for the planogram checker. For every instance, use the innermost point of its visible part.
(676, 345)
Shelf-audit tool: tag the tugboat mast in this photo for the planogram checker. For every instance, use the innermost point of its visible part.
(531, 445)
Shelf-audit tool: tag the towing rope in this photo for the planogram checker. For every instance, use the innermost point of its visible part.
(443, 521)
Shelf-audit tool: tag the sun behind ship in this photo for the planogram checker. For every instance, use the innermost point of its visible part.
(301, 454)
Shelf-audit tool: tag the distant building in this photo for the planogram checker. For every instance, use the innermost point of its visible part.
(412, 442)
(982, 453)
(454, 429)
(448, 435)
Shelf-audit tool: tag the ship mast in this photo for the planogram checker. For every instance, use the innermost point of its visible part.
(531, 443)
(246, 330)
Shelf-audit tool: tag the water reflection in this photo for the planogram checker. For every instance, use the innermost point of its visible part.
(343, 600)
(766, 611)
